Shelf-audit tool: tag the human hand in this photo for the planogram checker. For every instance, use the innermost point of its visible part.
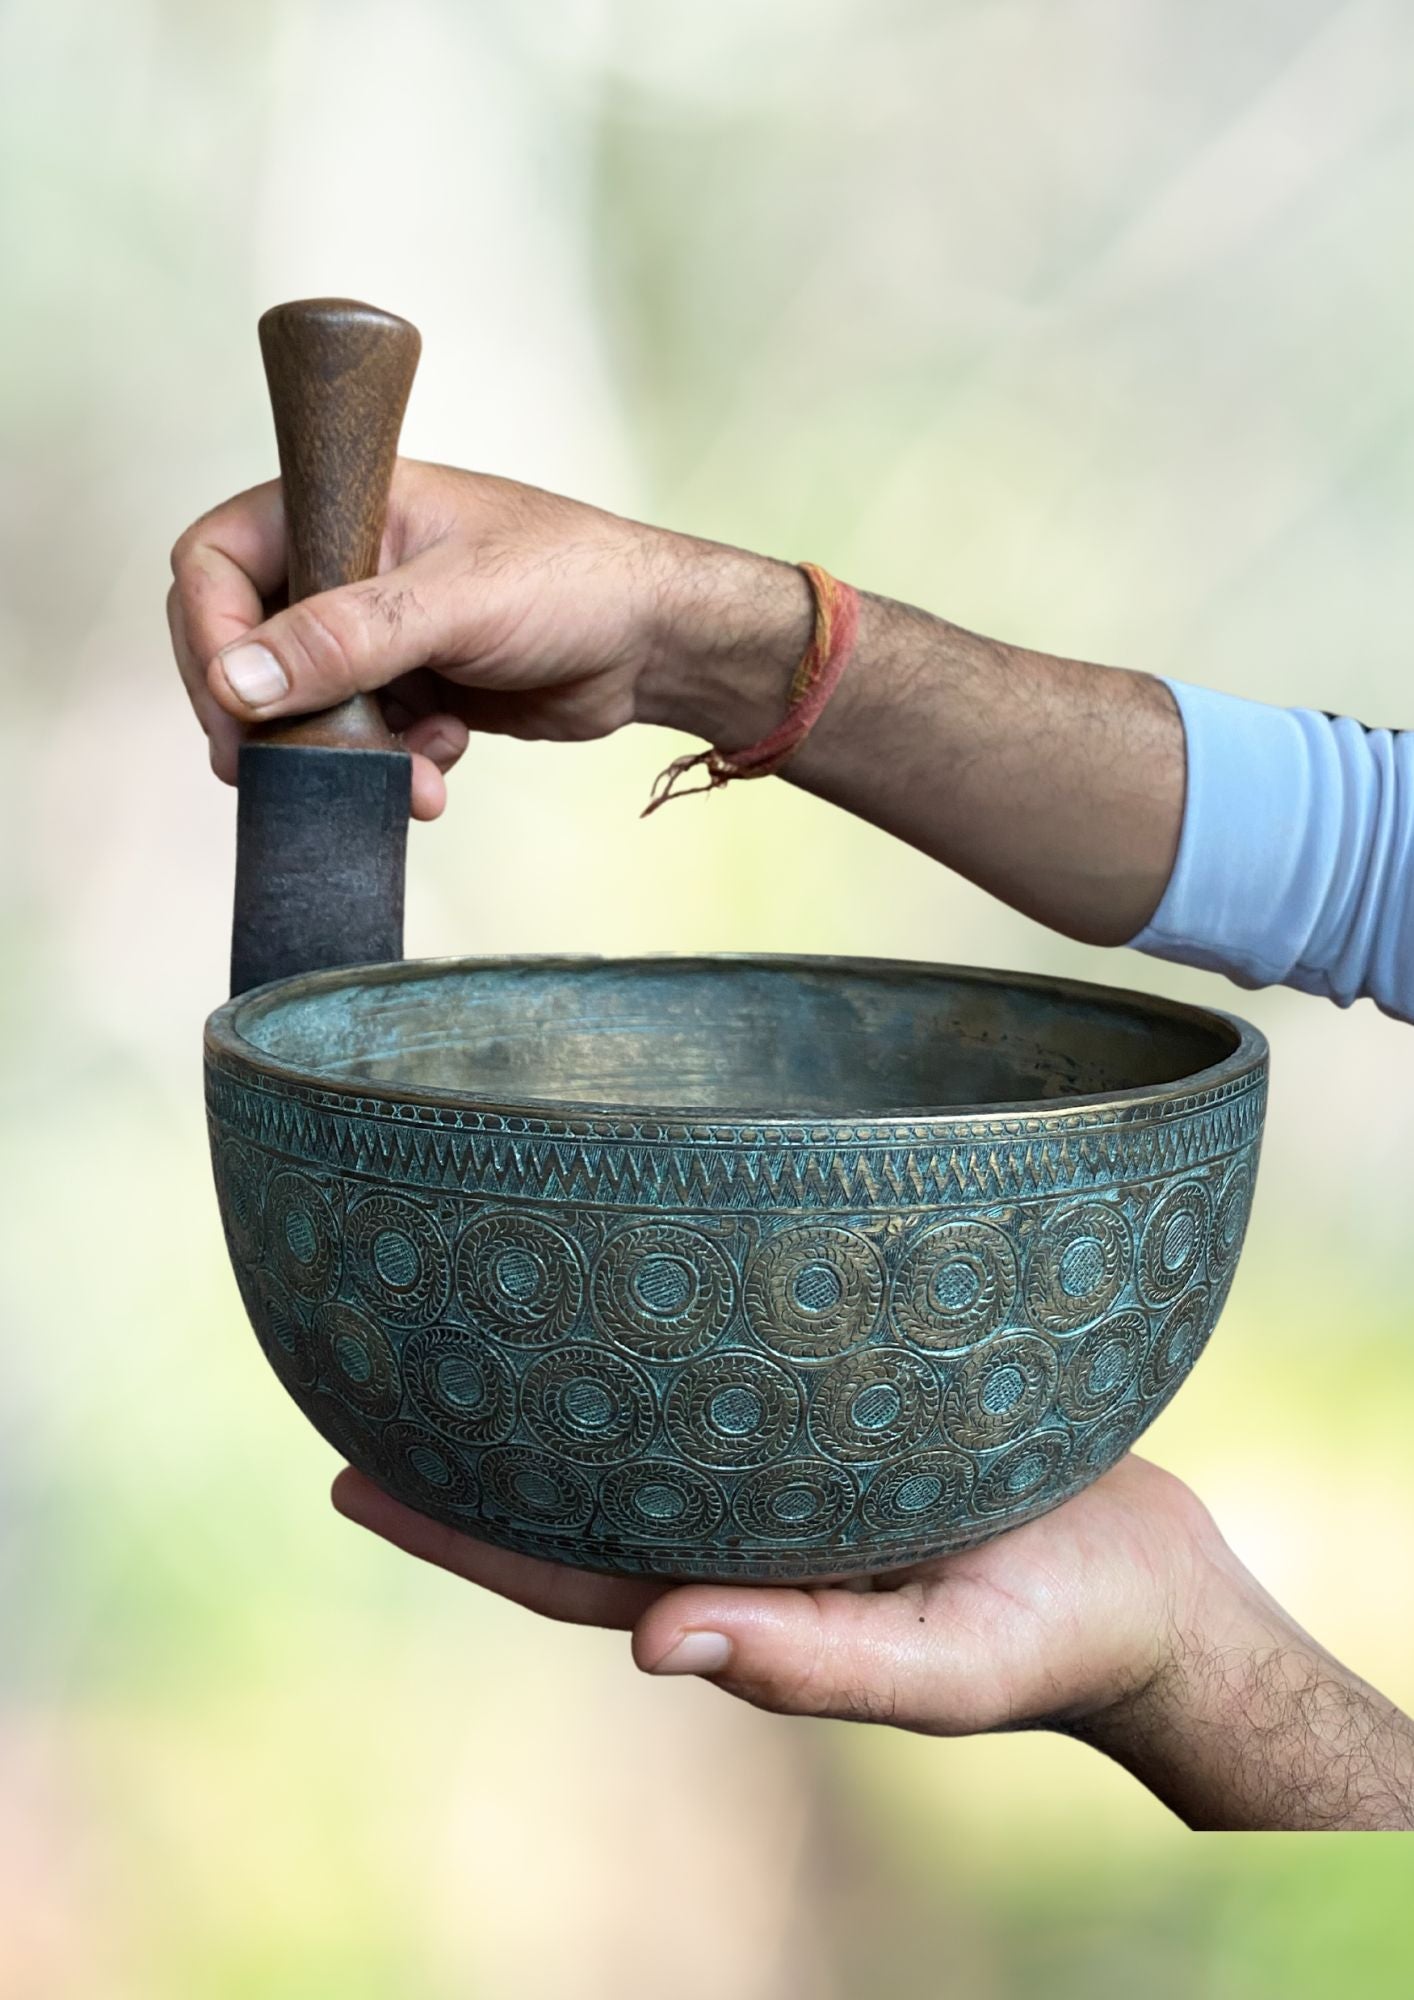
(1061, 1617)
(1122, 1618)
(498, 608)
(1055, 785)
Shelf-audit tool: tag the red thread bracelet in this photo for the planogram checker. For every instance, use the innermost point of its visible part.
(814, 681)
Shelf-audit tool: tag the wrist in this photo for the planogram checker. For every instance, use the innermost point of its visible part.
(726, 631)
(1247, 1724)
(1220, 1615)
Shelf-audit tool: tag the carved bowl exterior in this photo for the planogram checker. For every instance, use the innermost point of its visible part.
(855, 1322)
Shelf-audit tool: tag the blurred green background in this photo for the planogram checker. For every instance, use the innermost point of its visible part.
(1082, 321)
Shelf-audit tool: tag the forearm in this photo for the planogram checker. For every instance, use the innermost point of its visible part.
(1270, 844)
(1251, 1726)
(1055, 785)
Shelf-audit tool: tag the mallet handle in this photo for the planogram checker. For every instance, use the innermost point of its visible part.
(339, 376)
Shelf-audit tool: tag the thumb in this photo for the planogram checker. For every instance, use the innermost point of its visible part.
(856, 1654)
(326, 648)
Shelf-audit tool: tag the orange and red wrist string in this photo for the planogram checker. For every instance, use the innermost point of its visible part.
(814, 681)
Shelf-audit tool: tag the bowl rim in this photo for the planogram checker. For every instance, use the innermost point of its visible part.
(226, 1046)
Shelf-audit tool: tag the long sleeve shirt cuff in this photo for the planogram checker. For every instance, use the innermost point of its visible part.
(1295, 862)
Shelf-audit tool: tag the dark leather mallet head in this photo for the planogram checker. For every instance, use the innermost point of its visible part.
(321, 828)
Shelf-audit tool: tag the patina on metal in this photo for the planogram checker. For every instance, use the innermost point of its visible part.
(730, 1268)
(322, 821)
(752, 1268)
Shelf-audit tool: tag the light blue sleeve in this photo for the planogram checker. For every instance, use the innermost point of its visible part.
(1296, 859)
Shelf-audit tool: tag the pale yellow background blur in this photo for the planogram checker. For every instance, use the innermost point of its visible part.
(1086, 322)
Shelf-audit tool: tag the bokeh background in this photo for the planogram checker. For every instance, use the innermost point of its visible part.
(1082, 321)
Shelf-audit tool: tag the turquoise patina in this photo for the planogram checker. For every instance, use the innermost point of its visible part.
(753, 1268)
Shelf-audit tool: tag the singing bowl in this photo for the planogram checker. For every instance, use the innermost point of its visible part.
(730, 1267)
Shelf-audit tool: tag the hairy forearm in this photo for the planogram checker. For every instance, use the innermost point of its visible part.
(1055, 785)
(1261, 1730)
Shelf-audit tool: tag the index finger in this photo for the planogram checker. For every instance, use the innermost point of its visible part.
(225, 565)
(574, 1596)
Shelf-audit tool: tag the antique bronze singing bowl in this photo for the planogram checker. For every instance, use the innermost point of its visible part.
(730, 1267)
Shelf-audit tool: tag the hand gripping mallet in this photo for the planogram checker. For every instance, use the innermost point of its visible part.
(321, 825)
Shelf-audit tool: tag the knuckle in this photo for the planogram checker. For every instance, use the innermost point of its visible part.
(864, 1701)
(323, 644)
(392, 607)
(833, 1678)
(188, 545)
(810, 1689)
(194, 571)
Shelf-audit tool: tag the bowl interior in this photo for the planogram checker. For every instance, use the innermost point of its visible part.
(764, 1037)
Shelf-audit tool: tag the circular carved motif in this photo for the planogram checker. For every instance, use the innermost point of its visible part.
(1234, 1204)
(241, 1181)
(1176, 1345)
(343, 1428)
(924, 1493)
(1000, 1390)
(520, 1279)
(663, 1500)
(873, 1404)
(814, 1291)
(356, 1360)
(1171, 1247)
(397, 1259)
(733, 1408)
(1097, 1449)
(957, 1283)
(460, 1386)
(662, 1292)
(591, 1405)
(1100, 1365)
(536, 1489)
(803, 1500)
(1021, 1474)
(1078, 1267)
(422, 1467)
(301, 1236)
(282, 1332)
